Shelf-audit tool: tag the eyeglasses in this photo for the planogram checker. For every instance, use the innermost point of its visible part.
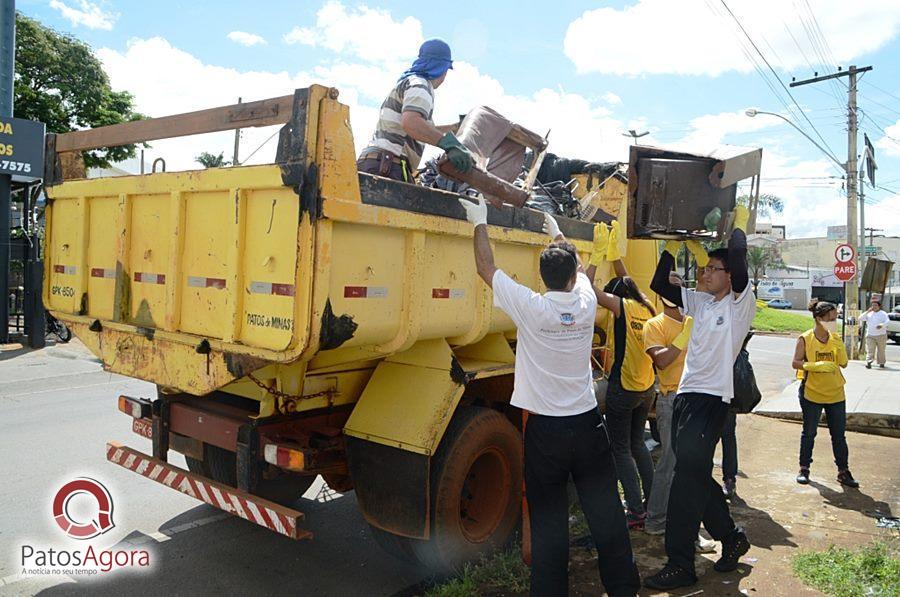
(711, 268)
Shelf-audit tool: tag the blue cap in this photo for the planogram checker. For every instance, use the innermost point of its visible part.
(434, 60)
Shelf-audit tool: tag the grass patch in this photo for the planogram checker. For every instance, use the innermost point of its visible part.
(773, 320)
(503, 572)
(873, 570)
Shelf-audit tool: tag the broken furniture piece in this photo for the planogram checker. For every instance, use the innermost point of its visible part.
(674, 194)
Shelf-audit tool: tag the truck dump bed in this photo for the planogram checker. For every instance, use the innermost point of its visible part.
(194, 279)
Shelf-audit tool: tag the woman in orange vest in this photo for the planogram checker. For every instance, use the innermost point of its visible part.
(818, 357)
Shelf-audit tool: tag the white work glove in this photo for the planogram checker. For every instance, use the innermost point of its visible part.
(550, 226)
(476, 213)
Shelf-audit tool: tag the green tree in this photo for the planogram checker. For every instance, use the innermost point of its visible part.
(61, 83)
(758, 260)
(209, 160)
(768, 204)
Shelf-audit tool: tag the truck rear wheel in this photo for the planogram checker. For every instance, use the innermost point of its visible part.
(220, 465)
(476, 490)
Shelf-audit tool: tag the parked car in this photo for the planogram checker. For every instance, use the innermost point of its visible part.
(780, 304)
(893, 329)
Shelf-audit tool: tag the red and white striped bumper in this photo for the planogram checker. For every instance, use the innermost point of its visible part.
(284, 521)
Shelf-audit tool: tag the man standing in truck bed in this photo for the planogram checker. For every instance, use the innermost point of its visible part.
(565, 435)
(404, 122)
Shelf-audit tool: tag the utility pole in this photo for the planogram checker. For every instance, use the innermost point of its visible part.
(237, 144)
(7, 67)
(851, 295)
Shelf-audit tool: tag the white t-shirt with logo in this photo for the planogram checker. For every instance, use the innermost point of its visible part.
(874, 319)
(553, 352)
(719, 331)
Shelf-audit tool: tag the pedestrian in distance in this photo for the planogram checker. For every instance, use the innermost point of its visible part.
(565, 434)
(722, 317)
(404, 121)
(630, 392)
(876, 334)
(818, 359)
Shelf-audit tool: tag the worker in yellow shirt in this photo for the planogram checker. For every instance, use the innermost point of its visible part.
(631, 378)
(665, 340)
(818, 357)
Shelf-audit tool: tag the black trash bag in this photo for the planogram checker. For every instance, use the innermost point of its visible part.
(746, 392)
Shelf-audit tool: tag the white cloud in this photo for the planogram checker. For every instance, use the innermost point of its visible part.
(246, 39)
(88, 14)
(369, 34)
(890, 143)
(611, 98)
(301, 35)
(688, 38)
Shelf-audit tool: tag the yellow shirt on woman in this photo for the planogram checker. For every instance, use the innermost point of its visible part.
(823, 388)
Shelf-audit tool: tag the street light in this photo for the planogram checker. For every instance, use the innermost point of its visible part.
(752, 112)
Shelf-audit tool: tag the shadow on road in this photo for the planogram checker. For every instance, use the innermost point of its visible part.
(762, 529)
(853, 499)
(233, 556)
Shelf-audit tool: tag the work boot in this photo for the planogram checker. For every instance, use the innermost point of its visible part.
(729, 488)
(733, 547)
(868, 364)
(845, 478)
(670, 577)
(803, 476)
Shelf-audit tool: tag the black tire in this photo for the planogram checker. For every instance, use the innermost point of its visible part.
(476, 490)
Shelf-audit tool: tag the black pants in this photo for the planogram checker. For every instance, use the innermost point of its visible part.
(695, 497)
(626, 417)
(729, 447)
(555, 448)
(836, 416)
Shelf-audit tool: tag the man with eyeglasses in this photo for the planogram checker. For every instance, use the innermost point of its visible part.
(722, 317)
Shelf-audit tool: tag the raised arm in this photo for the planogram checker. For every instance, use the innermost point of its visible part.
(737, 251)
(660, 283)
(476, 214)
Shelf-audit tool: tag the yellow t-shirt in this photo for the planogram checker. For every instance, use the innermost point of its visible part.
(660, 331)
(637, 367)
(823, 388)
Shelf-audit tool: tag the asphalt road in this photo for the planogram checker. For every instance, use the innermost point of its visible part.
(58, 409)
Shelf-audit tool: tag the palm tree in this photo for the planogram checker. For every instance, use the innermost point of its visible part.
(208, 160)
(758, 259)
(768, 204)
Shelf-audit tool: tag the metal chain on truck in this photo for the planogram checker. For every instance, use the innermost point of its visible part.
(289, 400)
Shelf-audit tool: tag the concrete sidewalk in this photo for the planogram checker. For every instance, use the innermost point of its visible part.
(873, 400)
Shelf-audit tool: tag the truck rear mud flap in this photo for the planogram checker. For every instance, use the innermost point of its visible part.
(284, 521)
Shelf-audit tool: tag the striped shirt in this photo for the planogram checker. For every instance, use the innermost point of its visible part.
(412, 94)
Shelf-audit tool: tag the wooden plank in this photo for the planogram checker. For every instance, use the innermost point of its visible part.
(523, 136)
(250, 114)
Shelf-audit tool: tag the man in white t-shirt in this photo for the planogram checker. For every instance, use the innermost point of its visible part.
(564, 435)
(722, 317)
(876, 333)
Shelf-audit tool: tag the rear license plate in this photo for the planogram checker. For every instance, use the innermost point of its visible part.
(143, 427)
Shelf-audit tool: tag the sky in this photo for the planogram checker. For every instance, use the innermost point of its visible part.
(685, 71)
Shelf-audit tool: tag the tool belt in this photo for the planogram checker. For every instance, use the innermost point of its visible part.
(385, 160)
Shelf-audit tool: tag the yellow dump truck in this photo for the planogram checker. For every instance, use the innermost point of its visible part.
(302, 319)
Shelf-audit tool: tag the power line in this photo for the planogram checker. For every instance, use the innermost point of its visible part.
(874, 86)
(761, 55)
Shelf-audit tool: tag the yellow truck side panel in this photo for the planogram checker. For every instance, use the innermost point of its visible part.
(101, 252)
